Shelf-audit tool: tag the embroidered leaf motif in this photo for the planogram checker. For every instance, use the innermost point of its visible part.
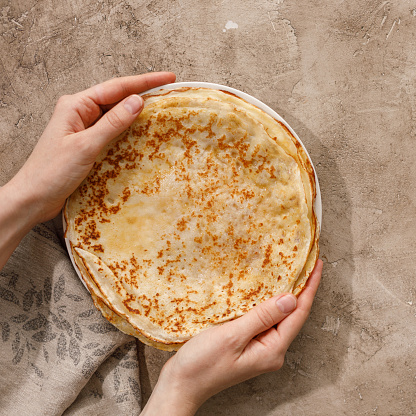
(39, 299)
(36, 323)
(47, 290)
(5, 331)
(44, 336)
(30, 346)
(18, 356)
(91, 345)
(103, 350)
(122, 397)
(61, 347)
(18, 319)
(61, 323)
(102, 328)
(129, 364)
(88, 367)
(57, 321)
(116, 379)
(9, 296)
(59, 288)
(28, 300)
(62, 309)
(13, 280)
(74, 351)
(99, 376)
(67, 327)
(46, 354)
(135, 388)
(87, 313)
(16, 343)
(38, 371)
(77, 331)
(118, 354)
(75, 298)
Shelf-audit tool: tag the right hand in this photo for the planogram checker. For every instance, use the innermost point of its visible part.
(231, 353)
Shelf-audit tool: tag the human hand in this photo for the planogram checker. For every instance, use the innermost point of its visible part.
(81, 125)
(231, 353)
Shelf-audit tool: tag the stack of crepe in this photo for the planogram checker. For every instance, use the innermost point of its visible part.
(202, 209)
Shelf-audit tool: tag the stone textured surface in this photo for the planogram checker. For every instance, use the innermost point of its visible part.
(343, 74)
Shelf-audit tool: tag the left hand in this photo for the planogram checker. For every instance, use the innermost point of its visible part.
(81, 125)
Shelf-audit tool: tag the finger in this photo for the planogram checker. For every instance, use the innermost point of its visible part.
(290, 327)
(116, 89)
(264, 352)
(74, 113)
(263, 317)
(112, 123)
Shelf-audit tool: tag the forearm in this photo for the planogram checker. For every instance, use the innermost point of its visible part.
(16, 219)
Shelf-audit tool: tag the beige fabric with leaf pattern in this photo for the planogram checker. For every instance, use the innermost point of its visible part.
(58, 355)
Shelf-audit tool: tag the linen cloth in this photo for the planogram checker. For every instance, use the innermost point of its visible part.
(58, 355)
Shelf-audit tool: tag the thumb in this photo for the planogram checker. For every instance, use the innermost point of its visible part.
(115, 121)
(264, 316)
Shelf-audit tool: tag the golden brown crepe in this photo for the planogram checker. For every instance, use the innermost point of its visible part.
(202, 209)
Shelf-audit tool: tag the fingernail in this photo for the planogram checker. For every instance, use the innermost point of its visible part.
(287, 303)
(133, 104)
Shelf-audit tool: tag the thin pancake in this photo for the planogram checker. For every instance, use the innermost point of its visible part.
(201, 210)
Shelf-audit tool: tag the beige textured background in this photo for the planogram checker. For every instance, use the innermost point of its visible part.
(343, 74)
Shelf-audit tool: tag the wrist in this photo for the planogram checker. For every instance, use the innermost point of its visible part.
(19, 205)
(169, 397)
(30, 204)
(16, 220)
